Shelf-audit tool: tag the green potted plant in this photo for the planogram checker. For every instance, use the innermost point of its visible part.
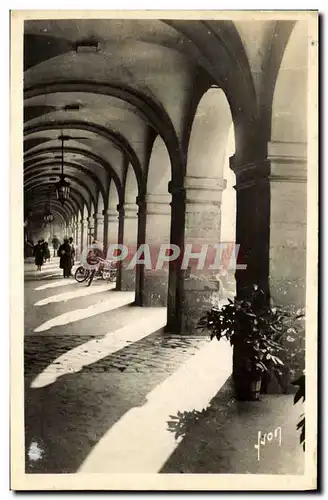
(254, 329)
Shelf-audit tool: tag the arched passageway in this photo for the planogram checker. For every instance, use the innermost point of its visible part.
(157, 215)
(170, 132)
(204, 184)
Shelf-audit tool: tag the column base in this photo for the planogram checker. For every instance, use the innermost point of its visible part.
(199, 296)
(288, 292)
(128, 279)
(155, 288)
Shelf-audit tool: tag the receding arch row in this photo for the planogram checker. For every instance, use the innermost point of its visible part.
(87, 154)
(64, 216)
(44, 176)
(98, 172)
(41, 166)
(113, 137)
(152, 112)
(35, 191)
(68, 210)
(56, 211)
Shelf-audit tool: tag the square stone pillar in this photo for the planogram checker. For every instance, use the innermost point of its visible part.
(77, 239)
(99, 227)
(271, 223)
(157, 232)
(120, 211)
(288, 222)
(202, 232)
(130, 238)
(112, 216)
(84, 230)
(91, 229)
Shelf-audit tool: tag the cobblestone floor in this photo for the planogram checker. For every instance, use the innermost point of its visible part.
(100, 390)
(68, 417)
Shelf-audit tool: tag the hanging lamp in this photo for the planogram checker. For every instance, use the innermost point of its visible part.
(62, 187)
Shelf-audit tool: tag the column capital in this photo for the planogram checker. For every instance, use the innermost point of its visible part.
(177, 191)
(91, 221)
(158, 204)
(141, 204)
(120, 209)
(288, 161)
(204, 191)
(98, 217)
(204, 183)
(111, 214)
(285, 162)
(109, 211)
(131, 210)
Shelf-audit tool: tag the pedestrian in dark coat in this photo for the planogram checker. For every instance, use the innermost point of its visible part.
(55, 244)
(39, 255)
(65, 263)
(70, 241)
(46, 252)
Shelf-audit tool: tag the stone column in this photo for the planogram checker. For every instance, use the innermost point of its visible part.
(112, 216)
(120, 210)
(157, 232)
(84, 237)
(252, 224)
(91, 228)
(99, 227)
(271, 223)
(288, 222)
(77, 239)
(175, 285)
(202, 233)
(141, 232)
(128, 276)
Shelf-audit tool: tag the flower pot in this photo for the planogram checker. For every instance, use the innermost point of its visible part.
(247, 389)
(255, 389)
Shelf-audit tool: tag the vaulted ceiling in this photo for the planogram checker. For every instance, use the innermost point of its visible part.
(112, 86)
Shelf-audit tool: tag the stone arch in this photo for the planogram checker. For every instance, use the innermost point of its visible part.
(289, 107)
(209, 134)
(204, 184)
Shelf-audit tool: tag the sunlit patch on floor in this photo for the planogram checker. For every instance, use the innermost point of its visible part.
(81, 291)
(116, 300)
(96, 349)
(35, 453)
(45, 276)
(56, 284)
(141, 442)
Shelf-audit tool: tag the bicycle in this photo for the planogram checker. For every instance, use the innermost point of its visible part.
(102, 272)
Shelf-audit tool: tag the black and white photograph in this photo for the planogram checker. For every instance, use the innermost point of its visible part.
(164, 239)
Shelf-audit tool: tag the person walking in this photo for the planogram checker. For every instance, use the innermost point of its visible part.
(72, 252)
(46, 252)
(55, 244)
(65, 263)
(39, 255)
